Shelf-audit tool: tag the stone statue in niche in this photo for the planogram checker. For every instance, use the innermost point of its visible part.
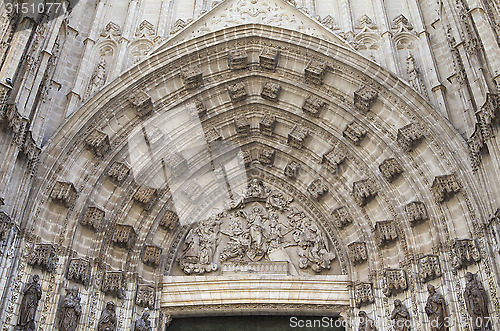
(476, 301)
(29, 304)
(400, 316)
(257, 245)
(71, 310)
(107, 322)
(199, 247)
(143, 323)
(436, 309)
(365, 322)
(311, 243)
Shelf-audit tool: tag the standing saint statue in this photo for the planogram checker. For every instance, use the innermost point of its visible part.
(476, 302)
(143, 323)
(29, 304)
(107, 322)
(400, 316)
(71, 310)
(436, 309)
(366, 323)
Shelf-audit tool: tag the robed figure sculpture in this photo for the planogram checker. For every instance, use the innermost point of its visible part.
(29, 304)
(436, 309)
(107, 322)
(476, 302)
(71, 310)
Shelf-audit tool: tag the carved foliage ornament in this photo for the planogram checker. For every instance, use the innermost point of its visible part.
(317, 188)
(98, 143)
(390, 169)
(169, 220)
(79, 270)
(266, 156)
(147, 196)
(151, 255)
(292, 169)
(313, 105)
(354, 132)
(242, 125)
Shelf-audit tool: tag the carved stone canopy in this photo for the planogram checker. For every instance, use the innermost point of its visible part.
(364, 98)
(64, 193)
(270, 91)
(267, 124)
(363, 191)
(416, 212)
(151, 255)
(385, 232)
(464, 252)
(237, 59)
(363, 294)
(444, 187)
(429, 267)
(98, 142)
(237, 92)
(93, 218)
(314, 72)
(268, 58)
(145, 296)
(118, 172)
(44, 255)
(113, 283)
(409, 137)
(297, 136)
(142, 103)
(79, 270)
(192, 77)
(341, 217)
(395, 281)
(124, 235)
(354, 132)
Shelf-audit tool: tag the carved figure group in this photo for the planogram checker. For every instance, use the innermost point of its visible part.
(29, 304)
(71, 310)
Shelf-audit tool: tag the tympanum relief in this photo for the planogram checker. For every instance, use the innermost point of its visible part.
(266, 233)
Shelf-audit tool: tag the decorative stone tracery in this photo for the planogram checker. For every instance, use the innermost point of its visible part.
(394, 282)
(390, 169)
(124, 236)
(464, 252)
(297, 136)
(270, 91)
(113, 283)
(93, 218)
(314, 72)
(98, 143)
(385, 232)
(416, 212)
(357, 252)
(409, 137)
(429, 267)
(44, 255)
(363, 191)
(79, 270)
(341, 217)
(444, 187)
(145, 296)
(363, 294)
(268, 58)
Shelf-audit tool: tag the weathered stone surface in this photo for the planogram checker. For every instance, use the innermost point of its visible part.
(267, 124)
(270, 91)
(268, 58)
(142, 103)
(98, 143)
(313, 105)
(79, 270)
(317, 188)
(113, 283)
(416, 212)
(357, 252)
(237, 92)
(93, 218)
(292, 169)
(409, 137)
(64, 193)
(395, 281)
(151, 255)
(341, 217)
(147, 196)
(354, 132)
(363, 294)
(445, 187)
(237, 59)
(314, 72)
(145, 296)
(169, 220)
(385, 232)
(297, 136)
(45, 256)
(124, 235)
(118, 172)
(266, 156)
(363, 191)
(192, 77)
(364, 98)
(429, 267)
(334, 158)
(242, 125)
(390, 169)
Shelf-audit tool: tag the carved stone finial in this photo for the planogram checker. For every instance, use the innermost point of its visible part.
(341, 217)
(313, 105)
(192, 77)
(93, 218)
(357, 252)
(363, 294)
(267, 124)
(429, 267)
(445, 187)
(435, 309)
(363, 191)
(314, 72)
(268, 58)
(385, 232)
(79, 270)
(394, 282)
(237, 92)
(297, 136)
(270, 91)
(476, 301)
(71, 310)
(409, 137)
(44, 255)
(416, 212)
(237, 59)
(145, 296)
(401, 316)
(32, 294)
(124, 235)
(151, 255)
(390, 169)
(113, 283)
(364, 98)
(98, 143)
(107, 321)
(64, 193)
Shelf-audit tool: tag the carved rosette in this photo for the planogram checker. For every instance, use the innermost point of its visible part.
(317, 188)
(429, 268)
(363, 294)
(266, 156)
(334, 158)
(79, 270)
(44, 255)
(145, 296)
(118, 172)
(270, 91)
(146, 196)
(98, 142)
(151, 255)
(192, 77)
(445, 187)
(364, 98)
(394, 282)
(357, 252)
(314, 72)
(113, 283)
(313, 105)
(390, 169)
(142, 103)
(237, 59)
(409, 137)
(93, 218)
(292, 169)
(169, 220)
(385, 232)
(416, 212)
(268, 58)
(341, 217)
(297, 136)
(64, 193)
(464, 252)
(354, 132)
(267, 124)
(237, 92)
(242, 125)
(124, 236)
(363, 191)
